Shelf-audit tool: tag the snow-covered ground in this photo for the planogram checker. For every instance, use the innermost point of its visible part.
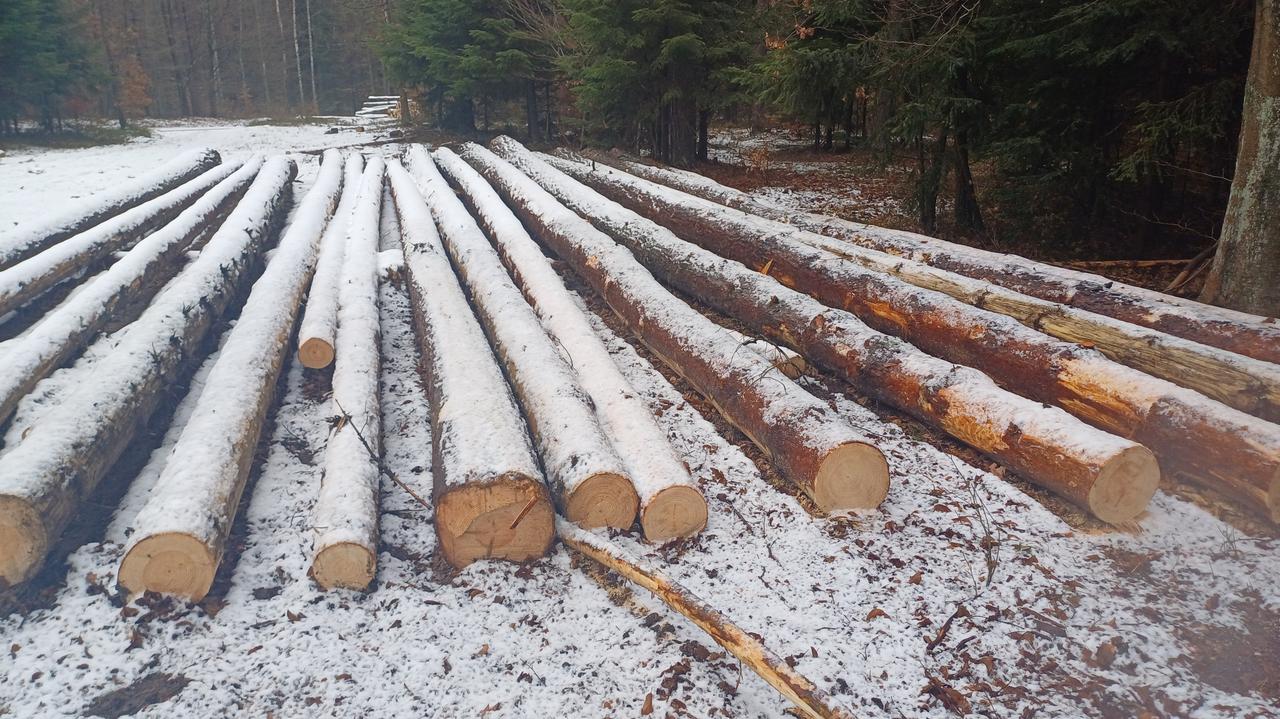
(960, 594)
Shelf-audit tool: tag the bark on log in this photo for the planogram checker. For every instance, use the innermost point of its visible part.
(489, 494)
(27, 279)
(345, 551)
(589, 482)
(320, 318)
(143, 271)
(58, 464)
(826, 457)
(1238, 454)
(1110, 476)
(671, 506)
(749, 650)
(1231, 330)
(180, 533)
(25, 242)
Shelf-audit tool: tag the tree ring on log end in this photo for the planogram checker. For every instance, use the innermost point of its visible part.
(23, 541)
(509, 517)
(674, 513)
(169, 563)
(315, 353)
(345, 565)
(851, 476)
(603, 500)
(1125, 485)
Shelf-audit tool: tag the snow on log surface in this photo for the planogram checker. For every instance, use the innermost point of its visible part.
(589, 482)
(27, 279)
(1238, 454)
(345, 552)
(320, 317)
(65, 452)
(826, 457)
(671, 505)
(28, 358)
(1110, 476)
(489, 494)
(180, 532)
(1231, 330)
(77, 216)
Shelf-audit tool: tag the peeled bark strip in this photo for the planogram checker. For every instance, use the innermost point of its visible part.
(1110, 476)
(30, 357)
(589, 482)
(179, 534)
(746, 647)
(489, 495)
(320, 318)
(345, 552)
(671, 506)
(44, 478)
(78, 216)
(1238, 454)
(830, 460)
(1237, 332)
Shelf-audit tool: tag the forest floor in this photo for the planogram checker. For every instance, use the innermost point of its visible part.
(966, 591)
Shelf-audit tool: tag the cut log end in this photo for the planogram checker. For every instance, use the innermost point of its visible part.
(507, 518)
(345, 565)
(23, 541)
(315, 353)
(852, 476)
(674, 513)
(169, 563)
(1125, 485)
(603, 500)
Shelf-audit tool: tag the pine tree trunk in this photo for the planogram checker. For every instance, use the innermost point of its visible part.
(1243, 275)
(531, 108)
(297, 52)
(311, 58)
(284, 58)
(215, 63)
(967, 213)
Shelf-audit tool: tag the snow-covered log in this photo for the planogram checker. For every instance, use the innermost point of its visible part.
(1237, 332)
(745, 646)
(490, 498)
(179, 534)
(320, 318)
(345, 551)
(1110, 476)
(56, 466)
(30, 357)
(1238, 454)
(32, 276)
(589, 482)
(671, 506)
(826, 457)
(77, 217)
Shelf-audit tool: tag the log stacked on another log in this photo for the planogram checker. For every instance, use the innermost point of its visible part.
(589, 482)
(834, 463)
(180, 533)
(490, 498)
(45, 478)
(1110, 476)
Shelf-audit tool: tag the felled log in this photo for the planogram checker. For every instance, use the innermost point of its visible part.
(489, 494)
(1238, 332)
(138, 275)
(320, 318)
(1247, 384)
(1238, 454)
(588, 480)
(345, 551)
(826, 457)
(57, 465)
(1110, 476)
(78, 216)
(671, 506)
(746, 647)
(180, 533)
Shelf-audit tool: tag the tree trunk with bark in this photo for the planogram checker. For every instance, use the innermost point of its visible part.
(319, 328)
